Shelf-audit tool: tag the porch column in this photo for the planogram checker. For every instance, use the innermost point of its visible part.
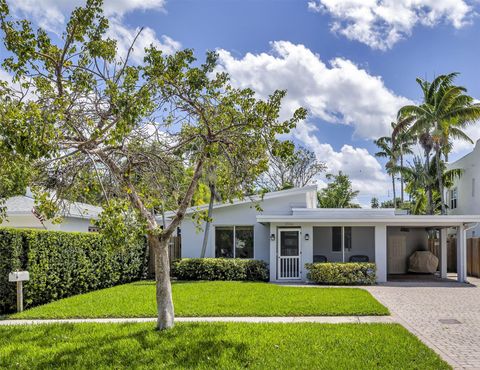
(461, 254)
(273, 252)
(443, 253)
(306, 250)
(381, 252)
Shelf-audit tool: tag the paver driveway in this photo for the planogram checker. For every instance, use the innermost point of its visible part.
(445, 316)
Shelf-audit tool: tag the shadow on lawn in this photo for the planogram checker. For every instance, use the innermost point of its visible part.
(127, 346)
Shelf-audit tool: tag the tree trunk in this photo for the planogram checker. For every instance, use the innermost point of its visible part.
(440, 182)
(429, 187)
(401, 179)
(394, 192)
(207, 224)
(165, 312)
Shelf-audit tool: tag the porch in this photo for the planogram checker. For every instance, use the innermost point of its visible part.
(388, 245)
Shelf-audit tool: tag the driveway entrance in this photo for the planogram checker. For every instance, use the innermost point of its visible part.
(445, 315)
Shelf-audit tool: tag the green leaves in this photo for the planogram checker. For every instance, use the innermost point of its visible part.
(338, 193)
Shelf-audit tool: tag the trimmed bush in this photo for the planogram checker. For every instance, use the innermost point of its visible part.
(337, 273)
(62, 264)
(220, 269)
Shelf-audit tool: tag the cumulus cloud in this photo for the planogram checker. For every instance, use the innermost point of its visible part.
(364, 170)
(380, 24)
(338, 91)
(52, 15)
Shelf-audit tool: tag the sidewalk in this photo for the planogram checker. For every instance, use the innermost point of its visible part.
(289, 319)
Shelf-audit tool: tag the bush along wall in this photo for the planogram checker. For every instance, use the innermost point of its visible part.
(62, 264)
(342, 273)
(220, 269)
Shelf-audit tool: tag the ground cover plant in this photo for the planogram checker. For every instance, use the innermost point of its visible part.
(213, 298)
(214, 346)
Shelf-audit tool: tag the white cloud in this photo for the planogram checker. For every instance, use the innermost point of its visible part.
(364, 170)
(125, 36)
(337, 92)
(52, 15)
(380, 24)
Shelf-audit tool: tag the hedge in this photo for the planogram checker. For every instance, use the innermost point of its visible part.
(337, 273)
(63, 264)
(220, 269)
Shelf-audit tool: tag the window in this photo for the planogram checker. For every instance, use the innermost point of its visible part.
(234, 241)
(336, 239)
(453, 198)
(341, 235)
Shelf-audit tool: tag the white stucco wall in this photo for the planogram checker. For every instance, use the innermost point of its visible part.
(31, 222)
(239, 215)
(468, 187)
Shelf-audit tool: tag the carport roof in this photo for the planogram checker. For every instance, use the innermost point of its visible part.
(387, 217)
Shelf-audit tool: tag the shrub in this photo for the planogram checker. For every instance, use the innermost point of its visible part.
(360, 273)
(220, 269)
(62, 264)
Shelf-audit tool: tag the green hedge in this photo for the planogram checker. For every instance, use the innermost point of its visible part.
(220, 269)
(351, 273)
(63, 264)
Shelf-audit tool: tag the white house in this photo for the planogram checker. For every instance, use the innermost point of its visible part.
(291, 231)
(464, 196)
(76, 216)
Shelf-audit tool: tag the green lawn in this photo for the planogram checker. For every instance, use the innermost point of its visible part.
(217, 298)
(214, 345)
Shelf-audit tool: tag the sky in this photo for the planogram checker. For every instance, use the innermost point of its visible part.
(351, 63)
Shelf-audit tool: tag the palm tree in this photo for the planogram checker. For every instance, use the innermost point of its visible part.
(403, 143)
(445, 111)
(388, 150)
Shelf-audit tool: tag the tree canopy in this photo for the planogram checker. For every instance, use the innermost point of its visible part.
(134, 128)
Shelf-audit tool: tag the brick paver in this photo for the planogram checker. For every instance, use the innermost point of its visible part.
(445, 316)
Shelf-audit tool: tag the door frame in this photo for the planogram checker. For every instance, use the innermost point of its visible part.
(300, 268)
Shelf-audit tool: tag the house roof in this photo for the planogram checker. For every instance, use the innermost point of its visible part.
(23, 205)
(330, 216)
(250, 199)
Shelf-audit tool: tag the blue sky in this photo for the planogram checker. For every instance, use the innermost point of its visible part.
(351, 63)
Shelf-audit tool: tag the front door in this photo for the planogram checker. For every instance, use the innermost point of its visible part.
(289, 253)
(396, 254)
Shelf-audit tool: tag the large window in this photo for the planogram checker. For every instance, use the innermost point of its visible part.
(234, 241)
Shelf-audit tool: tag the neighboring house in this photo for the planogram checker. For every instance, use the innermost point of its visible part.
(76, 216)
(464, 197)
(291, 231)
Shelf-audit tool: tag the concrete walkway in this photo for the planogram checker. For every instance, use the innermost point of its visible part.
(444, 315)
(313, 319)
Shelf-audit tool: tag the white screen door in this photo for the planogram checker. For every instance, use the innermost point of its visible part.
(289, 251)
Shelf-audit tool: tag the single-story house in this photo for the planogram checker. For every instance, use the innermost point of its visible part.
(75, 216)
(290, 231)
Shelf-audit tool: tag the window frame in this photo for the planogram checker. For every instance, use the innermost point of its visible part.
(453, 198)
(234, 239)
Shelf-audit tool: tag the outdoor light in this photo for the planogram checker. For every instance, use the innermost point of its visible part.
(307, 237)
(272, 237)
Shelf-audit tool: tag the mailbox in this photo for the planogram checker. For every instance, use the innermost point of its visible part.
(18, 276)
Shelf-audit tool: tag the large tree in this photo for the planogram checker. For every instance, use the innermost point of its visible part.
(137, 125)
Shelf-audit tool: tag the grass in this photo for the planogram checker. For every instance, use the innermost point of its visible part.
(214, 345)
(217, 298)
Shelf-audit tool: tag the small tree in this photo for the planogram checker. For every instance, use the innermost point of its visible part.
(139, 126)
(374, 203)
(338, 193)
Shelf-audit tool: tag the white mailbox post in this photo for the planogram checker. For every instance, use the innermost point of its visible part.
(19, 277)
